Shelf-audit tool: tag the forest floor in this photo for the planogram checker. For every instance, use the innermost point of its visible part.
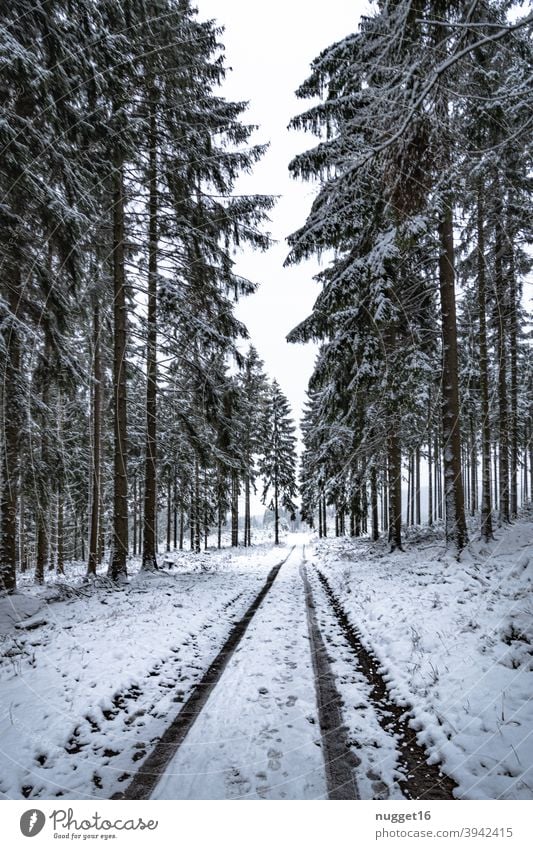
(359, 674)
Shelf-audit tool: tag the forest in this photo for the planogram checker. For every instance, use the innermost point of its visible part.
(424, 164)
(124, 387)
(132, 416)
(206, 592)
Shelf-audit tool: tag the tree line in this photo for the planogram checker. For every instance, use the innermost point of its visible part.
(423, 212)
(124, 382)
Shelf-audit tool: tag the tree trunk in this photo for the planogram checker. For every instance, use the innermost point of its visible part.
(408, 506)
(191, 519)
(23, 545)
(276, 510)
(135, 515)
(119, 552)
(95, 518)
(473, 468)
(417, 487)
(430, 479)
(513, 349)
(12, 426)
(385, 491)
(60, 565)
(531, 455)
(496, 490)
(169, 512)
(42, 545)
(247, 517)
(395, 489)
(501, 353)
(206, 515)
(82, 540)
(197, 534)
(43, 499)
(101, 528)
(525, 493)
(175, 514)
(374, 503)
(456, 535)
(149, 557)
(234, 508)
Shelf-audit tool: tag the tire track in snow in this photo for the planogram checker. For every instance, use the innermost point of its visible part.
(153, 767)
(423, 780)
(339, 760)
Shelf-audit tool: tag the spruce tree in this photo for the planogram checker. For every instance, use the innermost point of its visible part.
(277, 462)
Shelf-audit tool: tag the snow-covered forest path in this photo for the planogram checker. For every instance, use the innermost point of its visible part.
(258, 735)
(291, 708)
(318, 668)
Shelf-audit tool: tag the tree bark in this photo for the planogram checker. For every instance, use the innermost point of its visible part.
(60, 564)
(247, 517)
(417, 487)
(395, 488)
(501, 353)
(42, 517)
(135, 514)
(23, 546)
(119, 553)
(276, 507)
(175, 509)
(513, 350)
(169, 512)
(234, 508)
(430, 479)
(374, 503)
(149, 556)
(196, 534)
(96, 446)
(456, 535)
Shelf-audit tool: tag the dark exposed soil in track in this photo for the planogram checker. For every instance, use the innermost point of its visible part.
(339, 760)
(423, 780)
(152, 768)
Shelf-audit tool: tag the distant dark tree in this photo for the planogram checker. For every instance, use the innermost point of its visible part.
(278, 459)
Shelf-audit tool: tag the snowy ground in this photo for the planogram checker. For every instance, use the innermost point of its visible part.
(263, 741)
(91, 675)
(455, 642)
(88, 689)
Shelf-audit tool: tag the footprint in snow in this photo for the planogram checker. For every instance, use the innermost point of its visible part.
(273, 759)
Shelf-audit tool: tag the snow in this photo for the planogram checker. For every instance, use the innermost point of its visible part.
(86, 694)
(92, 674)
(455, 642)
(263, 741)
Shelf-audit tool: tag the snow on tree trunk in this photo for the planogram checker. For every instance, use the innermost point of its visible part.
(119, 551)
(456, 534)
(149, 554)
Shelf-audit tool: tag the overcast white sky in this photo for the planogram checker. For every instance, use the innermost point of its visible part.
(269, 47)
